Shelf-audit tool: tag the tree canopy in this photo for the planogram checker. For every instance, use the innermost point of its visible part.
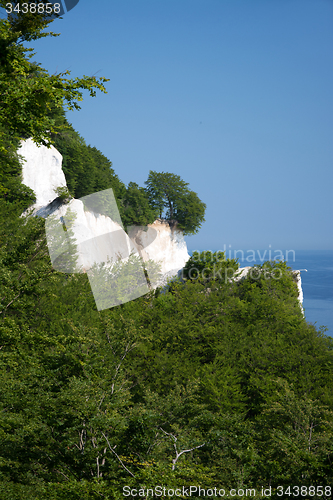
(27, 90)
(92, 401)
(136, 208)
(170, 195)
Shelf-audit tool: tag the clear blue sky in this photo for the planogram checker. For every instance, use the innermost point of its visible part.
(235, 96)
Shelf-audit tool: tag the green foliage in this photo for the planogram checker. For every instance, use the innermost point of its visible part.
(119, 282)
(136, 208)
(61, 241)
(169, 192)
(93, 401)
(63, 193)
(27, 90)
(11, 188)
(207, 266)
(22, 258)
(297, 431)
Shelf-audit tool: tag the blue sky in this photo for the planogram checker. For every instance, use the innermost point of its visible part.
(235, 96)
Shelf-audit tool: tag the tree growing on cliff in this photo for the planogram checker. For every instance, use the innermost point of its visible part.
(135, 207)
(170, 196)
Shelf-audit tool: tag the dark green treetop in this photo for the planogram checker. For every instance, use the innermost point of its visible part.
(136, 208)
(207, 266)
(170, 195)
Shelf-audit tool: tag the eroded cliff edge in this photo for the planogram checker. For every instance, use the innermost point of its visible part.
(42, 172)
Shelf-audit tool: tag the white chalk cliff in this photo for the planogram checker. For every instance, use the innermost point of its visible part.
(42, 172)
(168, 248)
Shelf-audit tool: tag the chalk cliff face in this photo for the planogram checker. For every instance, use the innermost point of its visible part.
(297, 274)
(168, 247)
(98, 238)
(42, 172)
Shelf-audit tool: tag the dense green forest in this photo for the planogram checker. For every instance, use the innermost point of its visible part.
(94, 401)
(212, 382)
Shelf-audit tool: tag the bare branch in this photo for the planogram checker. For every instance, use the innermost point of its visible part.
(83, 438)
(184, 451)
(10, 303)
(102, 399)
(112, 449)
(59, 472)
(128, 349)
(168, 434)
(179, 454)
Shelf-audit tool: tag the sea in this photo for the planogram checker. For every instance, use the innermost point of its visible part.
(316, 273)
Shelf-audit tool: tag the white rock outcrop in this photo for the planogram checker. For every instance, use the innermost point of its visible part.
(168, 248)
(98, 238)
(297, 275)
(42, 171)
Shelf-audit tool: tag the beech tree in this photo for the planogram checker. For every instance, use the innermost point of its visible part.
(170, 196)
(135, 207)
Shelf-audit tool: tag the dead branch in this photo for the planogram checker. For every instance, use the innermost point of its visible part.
(112, 449)
(179, 454)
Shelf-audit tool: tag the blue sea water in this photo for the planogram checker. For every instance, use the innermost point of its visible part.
(317, 282)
